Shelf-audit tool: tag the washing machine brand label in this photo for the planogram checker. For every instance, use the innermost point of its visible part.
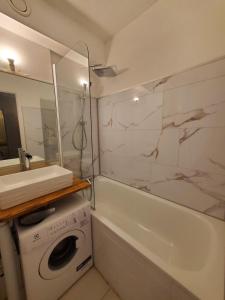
(84, 263)
(36, 237)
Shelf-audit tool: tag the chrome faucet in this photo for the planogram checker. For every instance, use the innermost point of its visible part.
(24, 158)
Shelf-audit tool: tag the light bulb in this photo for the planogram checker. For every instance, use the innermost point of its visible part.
(83, 82)
(10, 54)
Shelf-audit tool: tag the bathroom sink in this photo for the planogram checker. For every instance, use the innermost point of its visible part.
(24, 186)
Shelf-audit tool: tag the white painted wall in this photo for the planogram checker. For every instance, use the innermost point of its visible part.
(53, 23)
(170, 37)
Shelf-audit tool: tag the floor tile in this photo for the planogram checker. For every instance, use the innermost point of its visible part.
(90, 286)
(111, 296)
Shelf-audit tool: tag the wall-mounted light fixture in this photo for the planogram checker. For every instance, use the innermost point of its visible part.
(136, 99)
(10, 57)
(11, 65)
(83, 82)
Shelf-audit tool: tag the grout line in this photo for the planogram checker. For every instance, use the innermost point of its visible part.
(109, 289)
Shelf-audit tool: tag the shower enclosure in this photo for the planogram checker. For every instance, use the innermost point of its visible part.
(73, 101)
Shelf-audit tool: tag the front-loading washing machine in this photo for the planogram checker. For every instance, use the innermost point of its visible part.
(58, 251)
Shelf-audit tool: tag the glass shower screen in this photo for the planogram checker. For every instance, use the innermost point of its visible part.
(72, 84)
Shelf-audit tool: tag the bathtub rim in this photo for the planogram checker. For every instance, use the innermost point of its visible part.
(193, 210)
(216, 227)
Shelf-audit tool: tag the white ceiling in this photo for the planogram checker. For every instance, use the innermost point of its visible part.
(105, 17)
(32, 35)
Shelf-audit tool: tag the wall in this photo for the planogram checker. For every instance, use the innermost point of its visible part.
(53, 23)
(170, 142)
(170, 37)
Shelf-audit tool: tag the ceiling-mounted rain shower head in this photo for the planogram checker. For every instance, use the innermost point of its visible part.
(100, 71)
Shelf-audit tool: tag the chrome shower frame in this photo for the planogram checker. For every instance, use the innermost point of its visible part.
(57, 116)
(90, 178)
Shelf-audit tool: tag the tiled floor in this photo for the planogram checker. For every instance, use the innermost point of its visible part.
(91, 287)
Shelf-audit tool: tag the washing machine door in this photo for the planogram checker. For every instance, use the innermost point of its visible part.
(62, 254)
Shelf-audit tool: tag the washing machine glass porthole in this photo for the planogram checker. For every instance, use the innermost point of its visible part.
(62, 253)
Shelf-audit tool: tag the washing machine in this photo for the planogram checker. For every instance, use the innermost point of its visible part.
(56, 252)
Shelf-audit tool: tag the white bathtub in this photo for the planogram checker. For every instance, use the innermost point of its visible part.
(150, 248)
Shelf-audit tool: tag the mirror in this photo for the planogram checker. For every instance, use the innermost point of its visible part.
(10, 140)
(28, 121)
(28, 116)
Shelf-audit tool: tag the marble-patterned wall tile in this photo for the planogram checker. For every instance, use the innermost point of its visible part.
(172, 141)
(198, 74)
(69, 107)
(75, 124)
(95, 135)
(192, 188)
(153, 145)
(106, 163)
(135, 172)
(168, 147)
(70, 114)
(203, 149)
(35, 142)
(217, 210)
(50, 133)
(136, 91)
(67, 135)
(131, 143)
(195, 106)
(40, 131)
(127, 114)
(33, 131)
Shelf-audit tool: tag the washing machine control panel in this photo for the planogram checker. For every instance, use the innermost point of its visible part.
(59, 226)
(75, 220)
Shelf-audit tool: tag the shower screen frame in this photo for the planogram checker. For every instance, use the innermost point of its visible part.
(78, 46)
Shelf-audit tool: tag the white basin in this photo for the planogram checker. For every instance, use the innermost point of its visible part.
(24, 186)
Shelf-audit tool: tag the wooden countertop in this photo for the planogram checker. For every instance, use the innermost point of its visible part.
(34, 204)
